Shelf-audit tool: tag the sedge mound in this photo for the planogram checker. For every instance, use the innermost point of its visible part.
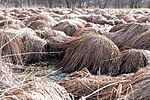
(28, 89)
(45, 20)
(11, 23)
(129, 61)
(18, 45)
(38, 24)
(70, 26)
(140, 82)
(26, 46)
(87, 30)
(9, 46)
(91, 51)
(35, 90)
(133, 86)
(126, 33)
(82, 83)
(118, 27)
(140, 42)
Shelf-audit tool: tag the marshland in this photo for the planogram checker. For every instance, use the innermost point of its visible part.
(74, 50)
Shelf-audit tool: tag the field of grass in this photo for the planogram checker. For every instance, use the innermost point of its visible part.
(67, 54)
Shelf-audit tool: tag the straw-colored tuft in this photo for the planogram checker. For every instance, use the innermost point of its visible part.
(91, 51)
(130, 61)
(133, 86)
(127, 32)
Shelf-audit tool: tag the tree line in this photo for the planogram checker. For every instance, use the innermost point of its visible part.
(80, 3)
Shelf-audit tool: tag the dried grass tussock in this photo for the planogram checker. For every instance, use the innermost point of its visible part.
(38, 24)
(140, 42)
(35, 90)
(140, 82)
(128, 87)
(28, 46)
(104, 53)
(127, 32)
(10, 46)
(130, 61)
(42, 20)
(28, 89)
(11, 23)
(15, 42)
(92, 51)
(87, 30)
(82, 83)
(70, 26)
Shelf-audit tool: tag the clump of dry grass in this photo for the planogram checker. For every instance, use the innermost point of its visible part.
(126, 18)
(38, 24)
(70, 26)
(10, 46)
(144, 19)
(92, 51)
(129, 61)
(31, 90)
(28, 89)
(57, 41)
(66, 28)
(16, 42)
(140, 42)
(97, 19)
(28, 46)
(82, 83)
(3, 23)
(118, 27)
(87, 30)
(11, 23)
(124, 33)
(130, 86)
(140, 85)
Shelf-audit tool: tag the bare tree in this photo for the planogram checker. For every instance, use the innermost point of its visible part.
(80, 3)
(105, 3)
(67, 3)
(134, 3)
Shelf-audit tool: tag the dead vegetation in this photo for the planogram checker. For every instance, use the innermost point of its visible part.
(26, 46)
(82, 83)
(132, 86)
(17, 42)
(124, 33)
(40, 22)
(112, 42)
(28, 89)
(140, 42)
(70, 26)
(92, 51)
(140, 85)
(36, 90)
(129, 61)
(87, 30)
(10, 46)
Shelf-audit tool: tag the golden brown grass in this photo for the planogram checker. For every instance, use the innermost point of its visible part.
(94, 52)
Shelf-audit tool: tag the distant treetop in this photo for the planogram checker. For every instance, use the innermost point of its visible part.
(80, 3)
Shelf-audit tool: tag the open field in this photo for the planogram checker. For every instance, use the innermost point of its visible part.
(67, 54)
